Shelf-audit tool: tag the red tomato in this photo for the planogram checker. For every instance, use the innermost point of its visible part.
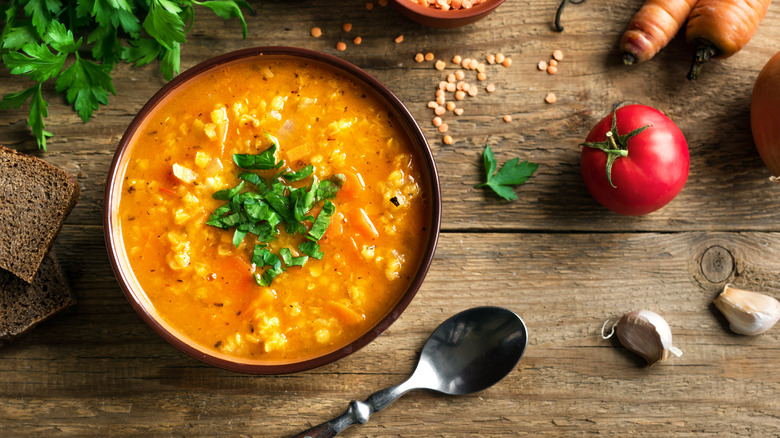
(764, 114)
(650, 165)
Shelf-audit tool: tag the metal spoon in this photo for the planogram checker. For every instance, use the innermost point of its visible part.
(467, 353)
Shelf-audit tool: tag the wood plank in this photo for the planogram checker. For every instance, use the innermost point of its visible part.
(99, 370)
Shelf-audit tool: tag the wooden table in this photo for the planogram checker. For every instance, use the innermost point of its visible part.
(555, 256)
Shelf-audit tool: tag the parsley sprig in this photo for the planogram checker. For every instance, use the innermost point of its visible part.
(92, 36)
(259, 206)
(511, 174)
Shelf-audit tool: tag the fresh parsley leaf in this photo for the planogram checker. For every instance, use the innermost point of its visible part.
(268, 276)
(328, 188)
(323, 220)
(170, 64)
(289, 260)
(60, 38)
(311, 249)
(291, 176)
(141, 52)
(41, 12)
(164, 24)
(38, 111)
(226, 194)
(228, 9)
(36, 61)
(265, 160)
(15, 37)
(87, 85)
(510, 174)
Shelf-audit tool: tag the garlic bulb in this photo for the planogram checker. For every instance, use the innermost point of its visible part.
(647, 334)
(748, 313)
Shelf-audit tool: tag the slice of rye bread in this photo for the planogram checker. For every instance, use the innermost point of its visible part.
(24, 305)
(35, 199)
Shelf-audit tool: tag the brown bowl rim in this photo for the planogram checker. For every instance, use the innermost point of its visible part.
(413, 130)
(458, 14)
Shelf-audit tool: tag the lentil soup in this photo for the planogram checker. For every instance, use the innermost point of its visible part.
(306, 114)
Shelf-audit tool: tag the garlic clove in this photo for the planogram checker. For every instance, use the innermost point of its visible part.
(749, 313)
(647, 334)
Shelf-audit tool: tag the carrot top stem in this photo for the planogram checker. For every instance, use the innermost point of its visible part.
(629, 59)
(704, 52)
(558, 25)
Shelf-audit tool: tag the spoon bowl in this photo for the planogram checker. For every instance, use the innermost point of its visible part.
(467, 353)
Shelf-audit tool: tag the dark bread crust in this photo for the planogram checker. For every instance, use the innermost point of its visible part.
(24, 305)
(35, 199)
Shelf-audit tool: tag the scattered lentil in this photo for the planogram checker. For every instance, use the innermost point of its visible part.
(316, 32)
(473, 91)
(552, 69)
(507, 62)
(554, 63)
(465, 63)
(443, 85)
(473, 64)
(437, 121)
(458, 111)
(440, 65)
(481, 67)
(507, 118)
(448, 139)
(481, 76)
(419, 57)
(451, 87)
(460, 95)
(443, 128)
(357, 40)
(440, 110)
(398, 39)
(440, 100)
(452, 77)
(459, 75)
(500, 58)
(429, 56)
(382, 2)
(550, 98)
(347, 27)
(439, 93)
(542, 66)
(341, 46)
(450, 106)
(457, 59)
(490, 88)
(369, 6)
(491, 59)
(558, 55)
(432, 104)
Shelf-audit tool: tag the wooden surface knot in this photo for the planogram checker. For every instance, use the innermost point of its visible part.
(717, 264)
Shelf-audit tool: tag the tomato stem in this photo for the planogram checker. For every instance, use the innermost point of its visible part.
(615, 145)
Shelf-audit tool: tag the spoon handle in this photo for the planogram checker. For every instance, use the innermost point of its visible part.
(358, 412)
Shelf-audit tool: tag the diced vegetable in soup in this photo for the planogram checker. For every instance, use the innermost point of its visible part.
(273, 210)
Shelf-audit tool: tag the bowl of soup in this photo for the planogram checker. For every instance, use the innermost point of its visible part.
(272, 210)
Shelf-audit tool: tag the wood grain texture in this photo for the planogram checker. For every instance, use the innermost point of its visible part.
(557, 258)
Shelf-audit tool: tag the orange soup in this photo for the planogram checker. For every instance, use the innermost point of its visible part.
(228, 255)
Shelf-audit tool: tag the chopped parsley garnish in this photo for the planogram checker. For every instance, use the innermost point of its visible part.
(511, 174)
(259, 206)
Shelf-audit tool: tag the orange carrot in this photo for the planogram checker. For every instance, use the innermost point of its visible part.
(298, 152)
(653, 26)
(363, 224)
(352, 188)
(345, 314)
(721, 28)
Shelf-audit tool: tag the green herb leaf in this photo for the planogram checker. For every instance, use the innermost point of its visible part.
(170, 64)
(41, 12)
(323, 220)
(224, 195)
(228, 9)
(14, 38)
(164, 24)
(141, 52)
(328, 188)
(60, 38)
(299, 175)
(289, 260)
(311, 249)
(36, 61)
(265, 160)
(510, 174)
(87, 85)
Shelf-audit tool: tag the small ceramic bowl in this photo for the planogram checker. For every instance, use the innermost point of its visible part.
(445, 19)
(127, 278)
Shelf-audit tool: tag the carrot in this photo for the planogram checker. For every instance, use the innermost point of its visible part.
(298, 152)
(345, 314)
(352, 188)
(363, 223)
(653, 26)
(721, 28)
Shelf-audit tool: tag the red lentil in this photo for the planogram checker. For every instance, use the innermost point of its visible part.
(341, 46)
(448, 139)
(316, 32)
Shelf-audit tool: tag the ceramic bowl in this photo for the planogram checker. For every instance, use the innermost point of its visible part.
(119, 259)
(445, 19)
